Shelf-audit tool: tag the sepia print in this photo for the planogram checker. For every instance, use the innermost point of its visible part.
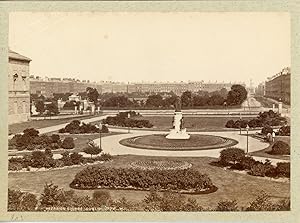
(149, 112)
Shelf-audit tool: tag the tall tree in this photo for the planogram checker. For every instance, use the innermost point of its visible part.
(186, 99)
(154, 100)
(40, 106)
(92, 94)
(237, 95)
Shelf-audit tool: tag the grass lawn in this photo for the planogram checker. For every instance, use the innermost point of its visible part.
(19, 127)
(241, 187)
(191, 123)
(264, 152)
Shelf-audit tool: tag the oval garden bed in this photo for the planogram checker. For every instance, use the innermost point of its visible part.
(187, 181)
(196, 142)
(161, 165)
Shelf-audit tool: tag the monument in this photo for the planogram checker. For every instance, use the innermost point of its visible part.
(178, 132)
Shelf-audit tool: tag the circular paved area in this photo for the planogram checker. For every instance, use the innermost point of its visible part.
(160, 142)
(110, 144)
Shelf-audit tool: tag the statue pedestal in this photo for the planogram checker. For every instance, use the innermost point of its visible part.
(177, 132)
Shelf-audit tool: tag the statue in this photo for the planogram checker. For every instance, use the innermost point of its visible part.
(178, 105)
(177, 131)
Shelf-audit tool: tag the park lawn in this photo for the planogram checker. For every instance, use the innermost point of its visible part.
(191, 123)
(19, 127)
(264, 152)
(241, 187)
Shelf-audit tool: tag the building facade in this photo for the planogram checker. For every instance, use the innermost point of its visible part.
(48, 87)
(278, 87)
(18, 88)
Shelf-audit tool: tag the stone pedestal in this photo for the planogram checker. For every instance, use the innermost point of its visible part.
(178, 132)
(280, 107)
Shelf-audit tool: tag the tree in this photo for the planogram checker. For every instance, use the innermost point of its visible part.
(40, 106)
(170, 101)
(52, 108)
(237, 95)
(155, 100)
(92, 94)
(92, 149)
(68, 143)
(186, 99)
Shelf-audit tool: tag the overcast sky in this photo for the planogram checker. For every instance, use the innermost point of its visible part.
(153, 46)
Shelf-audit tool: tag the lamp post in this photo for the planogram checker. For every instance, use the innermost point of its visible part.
(240, 123)
(247, 128)
(128, 115)
(100, 130)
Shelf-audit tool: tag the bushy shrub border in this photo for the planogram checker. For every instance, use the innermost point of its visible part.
(39, 159)
(55, 199)
(267, 118)
(187, 180)
(31, 140)
(78, 127)
(236, 159)
(122, 120)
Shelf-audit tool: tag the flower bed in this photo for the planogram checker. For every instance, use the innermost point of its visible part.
(187, 180)
(161, 165)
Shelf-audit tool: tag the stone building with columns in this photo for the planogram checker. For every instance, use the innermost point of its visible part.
(18, 88)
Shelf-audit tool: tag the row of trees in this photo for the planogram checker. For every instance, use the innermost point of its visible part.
(235, 96)
(53, 198)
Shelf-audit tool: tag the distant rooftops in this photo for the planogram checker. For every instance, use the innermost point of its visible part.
(14, 55)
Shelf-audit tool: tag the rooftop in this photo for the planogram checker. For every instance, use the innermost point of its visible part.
(16, 56)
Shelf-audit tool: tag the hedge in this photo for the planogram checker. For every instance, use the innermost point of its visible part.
(116, 178)
(280, 148)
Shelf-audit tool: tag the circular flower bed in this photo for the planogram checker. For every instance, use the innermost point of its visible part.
(196, 142)
(161, 165)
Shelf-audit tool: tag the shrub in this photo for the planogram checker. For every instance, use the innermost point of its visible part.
(20, 201)
(101, 197)
(283, 169)
(261, 169)
(55, 138)
(284, 131)
(280, 148)
(76, 158)
(231, 155)
(68, 143)
(98, 176)
(227, 205)
(15, 166)
(106, 157)
(229, 124)
(31, 132)
(261, 203)
(92, 150)
(247, 162)
(266, 129)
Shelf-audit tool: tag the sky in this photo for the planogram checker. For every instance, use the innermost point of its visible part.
(153, 46)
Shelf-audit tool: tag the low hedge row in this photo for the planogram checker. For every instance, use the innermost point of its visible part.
(101, 177)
